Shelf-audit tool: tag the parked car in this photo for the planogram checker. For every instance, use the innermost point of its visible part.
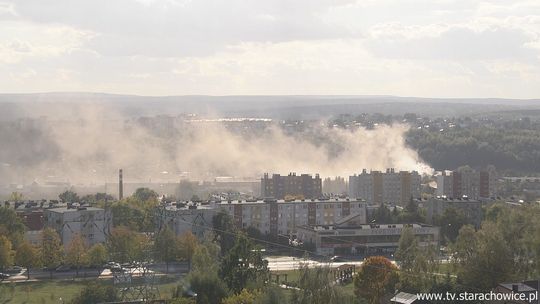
(338, 258)
(116, 268)
(14, 269)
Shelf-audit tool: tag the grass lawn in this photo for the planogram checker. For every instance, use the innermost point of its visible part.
(49, 292)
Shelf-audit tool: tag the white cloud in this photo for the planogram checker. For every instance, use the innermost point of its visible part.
(400, 47)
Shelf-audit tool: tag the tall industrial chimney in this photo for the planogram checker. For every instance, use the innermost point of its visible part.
(120, 185)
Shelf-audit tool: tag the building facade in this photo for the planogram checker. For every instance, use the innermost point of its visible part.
(471, 209)
(351, 238)
(279, 217)
(388, 187)
(93, 224)
(469, 183)
(292, 185)
(192, 217)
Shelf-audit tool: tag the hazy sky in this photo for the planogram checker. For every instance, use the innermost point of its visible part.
(438, 48)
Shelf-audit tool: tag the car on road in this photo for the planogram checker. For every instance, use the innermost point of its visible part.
(338, 258)
(13, 269)
(4, 276)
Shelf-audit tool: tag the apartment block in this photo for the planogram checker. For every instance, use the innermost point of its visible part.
(279, 217)
(469, 183)
(93, 224)
(292, 185)
(385, 187)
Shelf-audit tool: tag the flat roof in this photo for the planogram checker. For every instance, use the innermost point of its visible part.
(281, 201)
(65, 209)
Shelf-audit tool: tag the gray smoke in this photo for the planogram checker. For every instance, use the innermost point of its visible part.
(94, 143)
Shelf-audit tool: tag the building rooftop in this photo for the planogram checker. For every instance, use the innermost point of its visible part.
(73, 209)
(281, 201)
(404, 298)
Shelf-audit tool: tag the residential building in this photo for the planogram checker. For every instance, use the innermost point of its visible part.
(388, 187)
(472, 209)
(470, 183)
(93, 224)
(348, 237)
(182, 218)
(292, 185)
(529, 290)
(33, 220)
(280, 217)
(336, 186)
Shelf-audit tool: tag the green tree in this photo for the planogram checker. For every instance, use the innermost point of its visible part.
(272, 295)
(97, 255)
(126, 214)
(407, 249)
(11, 225)
(125, 245)
(188, 244)
(16, 197)
(206, 256)
(451, 222)
(52, 252)
(166, 246)
(383, 215)
(208, 286)
(376, 278)
(315, 285)
(145, 194)
(243, 265)
(69, 197)
(417, 264)
(411, 213)
(77, 253)
(94, 292)
(483, 259)
(27, 256)
(97, 198)
(224, 230)
(244, 297)
(6, 253)
(182, 301)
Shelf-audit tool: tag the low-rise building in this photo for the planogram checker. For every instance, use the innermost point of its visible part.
(93, 224)
(33, 220)
(528, 290)
(182, 218)
(472, 209)
(348, 237)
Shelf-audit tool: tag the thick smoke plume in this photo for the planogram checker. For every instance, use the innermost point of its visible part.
(93, 144)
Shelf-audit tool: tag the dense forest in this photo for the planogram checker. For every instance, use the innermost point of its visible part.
(514, 150)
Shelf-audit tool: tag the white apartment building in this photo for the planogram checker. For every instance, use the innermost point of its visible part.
(93, 224)
(279, 217)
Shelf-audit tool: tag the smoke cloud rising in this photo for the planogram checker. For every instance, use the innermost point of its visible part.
(93, 144)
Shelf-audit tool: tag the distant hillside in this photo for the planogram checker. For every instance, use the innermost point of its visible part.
(45, 104)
